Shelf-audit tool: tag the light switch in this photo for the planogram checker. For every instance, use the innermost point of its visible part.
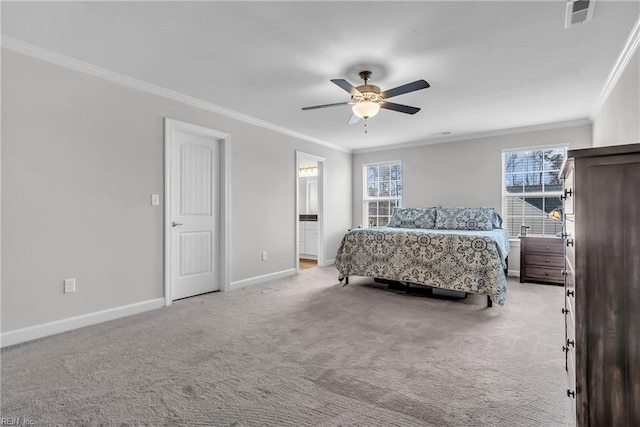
(155, 200)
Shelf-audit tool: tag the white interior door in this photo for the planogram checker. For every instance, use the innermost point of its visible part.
(194, 214)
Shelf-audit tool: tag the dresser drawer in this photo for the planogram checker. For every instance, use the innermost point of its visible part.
(543, 244)
(570, 348)
(570, 258)
(570, 325)
(570, 249)
(570, 225)
(571, 375)
(569, 282)
(547, 274)
(541, 260)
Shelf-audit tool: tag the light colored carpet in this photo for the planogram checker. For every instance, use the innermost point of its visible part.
(303, 351)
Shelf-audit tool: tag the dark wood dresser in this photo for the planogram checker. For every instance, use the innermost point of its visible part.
(602, 284)
(541, 259)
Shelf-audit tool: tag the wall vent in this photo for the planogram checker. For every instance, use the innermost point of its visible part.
(578, 12)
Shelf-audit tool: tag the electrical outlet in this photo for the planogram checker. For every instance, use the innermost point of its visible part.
(155, 200)
(69, 285)
(264, 255)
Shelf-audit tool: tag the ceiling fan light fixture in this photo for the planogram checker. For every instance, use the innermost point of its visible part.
(365, 109)
(366, 99)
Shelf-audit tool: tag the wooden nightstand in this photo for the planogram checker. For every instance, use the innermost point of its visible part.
(541, 259)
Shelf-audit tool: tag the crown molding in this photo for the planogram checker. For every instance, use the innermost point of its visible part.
(629, 49)
(478, 135)
(74, 64)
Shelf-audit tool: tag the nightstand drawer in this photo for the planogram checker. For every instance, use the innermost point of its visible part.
(544, 245)
(541, 260)
(550, 274)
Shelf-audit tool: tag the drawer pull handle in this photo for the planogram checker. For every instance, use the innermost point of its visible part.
(570, 293)
(571, 393)
(546, 260)
(571, 343)
(568, 192)
(569, 242)
(565, 349)
(565, 311)
(546, 273)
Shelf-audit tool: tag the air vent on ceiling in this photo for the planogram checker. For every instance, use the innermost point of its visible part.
(579, 11)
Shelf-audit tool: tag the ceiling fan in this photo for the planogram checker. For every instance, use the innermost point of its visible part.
(366, 99)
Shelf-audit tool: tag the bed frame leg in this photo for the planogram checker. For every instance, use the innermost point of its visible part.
(489, 302)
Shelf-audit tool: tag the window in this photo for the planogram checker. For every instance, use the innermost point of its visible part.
(531, 189)
(382, 192)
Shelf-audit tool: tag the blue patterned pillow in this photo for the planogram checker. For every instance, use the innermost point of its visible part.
(497, 220)
(479, 218)
(413, 218)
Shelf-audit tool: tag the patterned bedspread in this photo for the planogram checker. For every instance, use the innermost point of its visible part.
(467, 261)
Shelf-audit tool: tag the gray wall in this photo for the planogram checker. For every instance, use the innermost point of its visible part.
(461, 173)
(618, 121)
(81, 157)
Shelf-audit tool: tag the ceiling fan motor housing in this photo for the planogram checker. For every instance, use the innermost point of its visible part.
(369, 88)
(367, 93)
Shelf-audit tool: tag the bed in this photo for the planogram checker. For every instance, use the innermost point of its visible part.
(458, 249)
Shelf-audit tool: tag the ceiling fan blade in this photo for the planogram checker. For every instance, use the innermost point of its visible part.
(346, 86)
(315, 107)
(353, 119)
(399, 107)
(409, 87)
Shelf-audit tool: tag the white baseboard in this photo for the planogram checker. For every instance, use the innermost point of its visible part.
(329, 262)
(260, 279)
(513, 273)
(51, 328)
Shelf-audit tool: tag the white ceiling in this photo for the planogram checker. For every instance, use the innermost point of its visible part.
(491, 65)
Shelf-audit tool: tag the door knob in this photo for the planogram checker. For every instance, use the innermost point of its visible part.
(175, 224)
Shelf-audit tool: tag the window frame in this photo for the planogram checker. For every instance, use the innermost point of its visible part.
(537, 194)
(366, 199)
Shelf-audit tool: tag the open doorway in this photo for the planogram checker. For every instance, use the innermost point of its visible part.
(309, 216)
